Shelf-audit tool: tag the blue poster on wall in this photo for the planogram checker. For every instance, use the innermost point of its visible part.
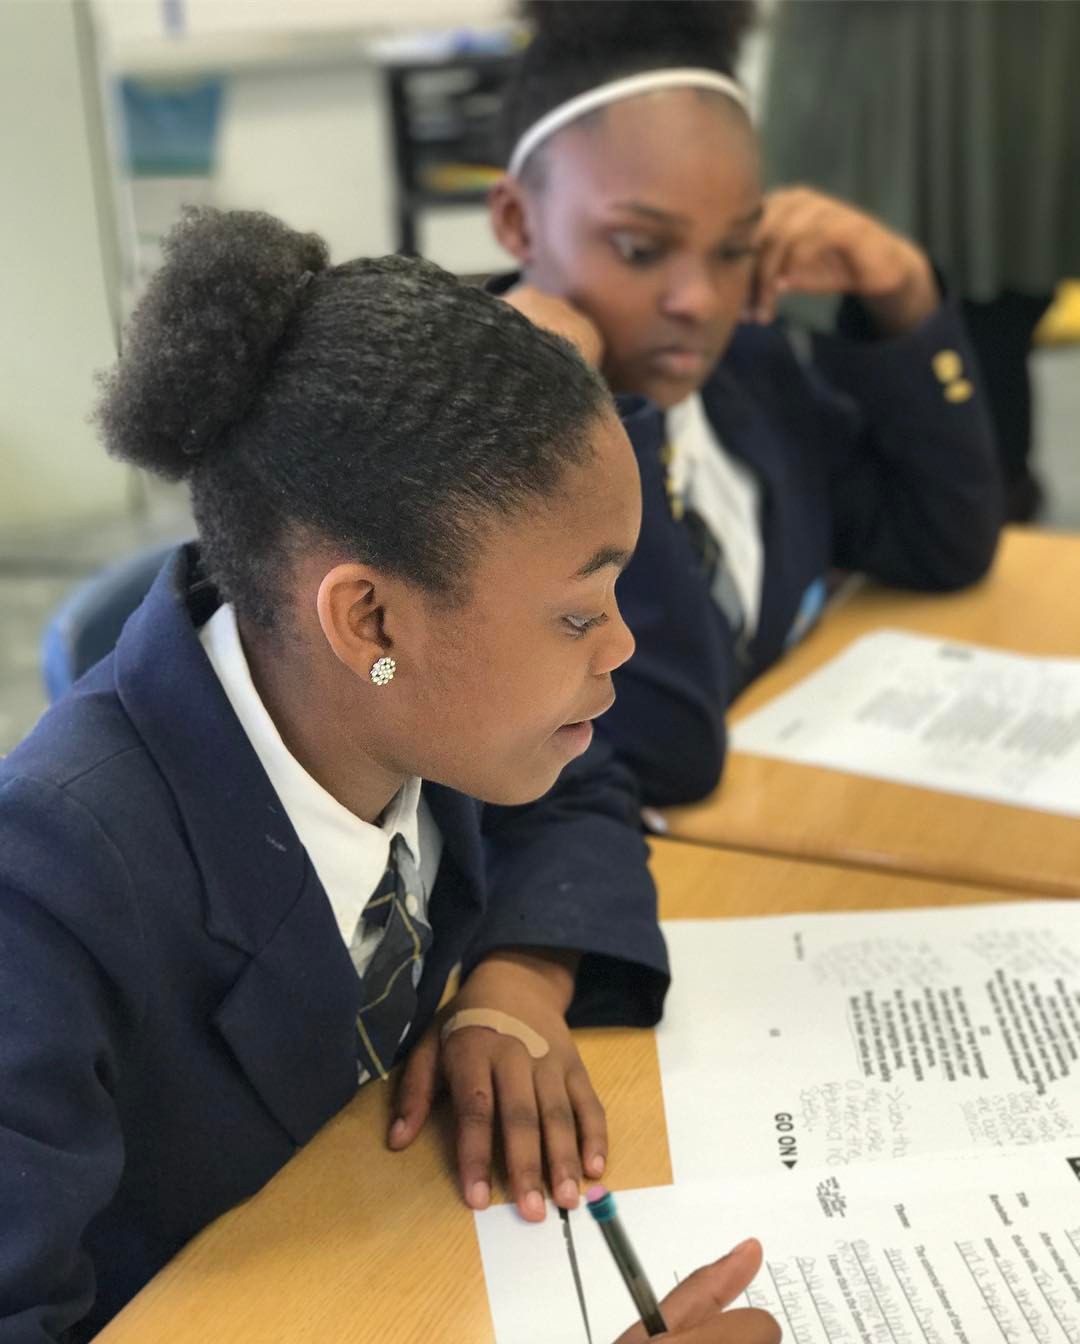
(170, 130)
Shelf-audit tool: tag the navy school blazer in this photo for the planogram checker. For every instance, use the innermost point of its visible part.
(872, 455)
(177, 1005)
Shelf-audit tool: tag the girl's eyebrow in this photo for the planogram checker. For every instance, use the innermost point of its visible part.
(650, 212)
(606, 555)
(669, 217)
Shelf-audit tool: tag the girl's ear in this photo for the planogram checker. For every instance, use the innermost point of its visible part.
(352, 616)
(509, 219)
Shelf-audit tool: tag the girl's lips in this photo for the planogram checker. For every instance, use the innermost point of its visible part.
(575, 737)
(679, 363)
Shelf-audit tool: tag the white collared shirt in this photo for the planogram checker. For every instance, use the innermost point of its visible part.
(349, 855)
(725, 494)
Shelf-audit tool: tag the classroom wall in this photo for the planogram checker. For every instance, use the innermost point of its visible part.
(55, 321)
(310, 145)
(304, 128)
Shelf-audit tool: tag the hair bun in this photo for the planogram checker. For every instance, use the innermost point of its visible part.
(202, 337)
(628, 32)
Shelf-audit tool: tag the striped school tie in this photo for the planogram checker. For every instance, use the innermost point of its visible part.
(388, 984)
(712, 563)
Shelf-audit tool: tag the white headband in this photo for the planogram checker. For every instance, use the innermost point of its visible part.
(630, 87)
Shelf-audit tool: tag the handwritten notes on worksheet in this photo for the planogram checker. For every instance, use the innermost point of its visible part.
(836, 1039)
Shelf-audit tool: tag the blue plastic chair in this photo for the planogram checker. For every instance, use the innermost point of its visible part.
(86, 626)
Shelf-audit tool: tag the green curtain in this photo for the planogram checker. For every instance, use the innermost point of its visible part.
(956, 121)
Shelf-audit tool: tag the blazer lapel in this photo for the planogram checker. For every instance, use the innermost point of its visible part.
(289, 1018)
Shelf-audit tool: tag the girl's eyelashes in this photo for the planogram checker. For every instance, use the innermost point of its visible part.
(731, 252)
(581, 625)
(639, 250)
(636, 249)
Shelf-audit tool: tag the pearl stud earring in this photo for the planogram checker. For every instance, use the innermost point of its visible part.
(382, 671)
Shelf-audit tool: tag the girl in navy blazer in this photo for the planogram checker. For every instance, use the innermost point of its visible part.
(412, 507)
(767, 457)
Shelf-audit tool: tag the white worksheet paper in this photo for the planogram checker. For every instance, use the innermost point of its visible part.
(934, 714)
(854, 1038)
(938, 1251)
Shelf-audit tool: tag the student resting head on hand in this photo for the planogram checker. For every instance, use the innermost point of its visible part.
(343, 746)
(633, 195)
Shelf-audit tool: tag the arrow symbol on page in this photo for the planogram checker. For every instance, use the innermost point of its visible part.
(789, 1162)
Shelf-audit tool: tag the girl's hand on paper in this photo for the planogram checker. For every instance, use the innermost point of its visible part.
(560, 316)
(547, 1112)
(695, 1311)
(809, 243)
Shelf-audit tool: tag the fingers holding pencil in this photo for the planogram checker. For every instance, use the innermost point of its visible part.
(696, 1313)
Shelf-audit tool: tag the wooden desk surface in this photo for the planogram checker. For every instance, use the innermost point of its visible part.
(1029, 604)
(352, 1244)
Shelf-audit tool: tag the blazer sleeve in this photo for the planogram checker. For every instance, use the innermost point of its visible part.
(570, 871)
(914, 480)
(667, 722)
(63, 892)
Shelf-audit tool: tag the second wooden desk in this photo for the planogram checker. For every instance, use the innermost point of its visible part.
(1027, 605)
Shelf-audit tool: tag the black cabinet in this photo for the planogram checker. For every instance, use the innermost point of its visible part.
(443, 120)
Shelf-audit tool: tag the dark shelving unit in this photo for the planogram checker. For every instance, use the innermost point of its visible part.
(443, 124)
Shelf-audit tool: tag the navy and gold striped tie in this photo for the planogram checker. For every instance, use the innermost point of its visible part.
(388, 983)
